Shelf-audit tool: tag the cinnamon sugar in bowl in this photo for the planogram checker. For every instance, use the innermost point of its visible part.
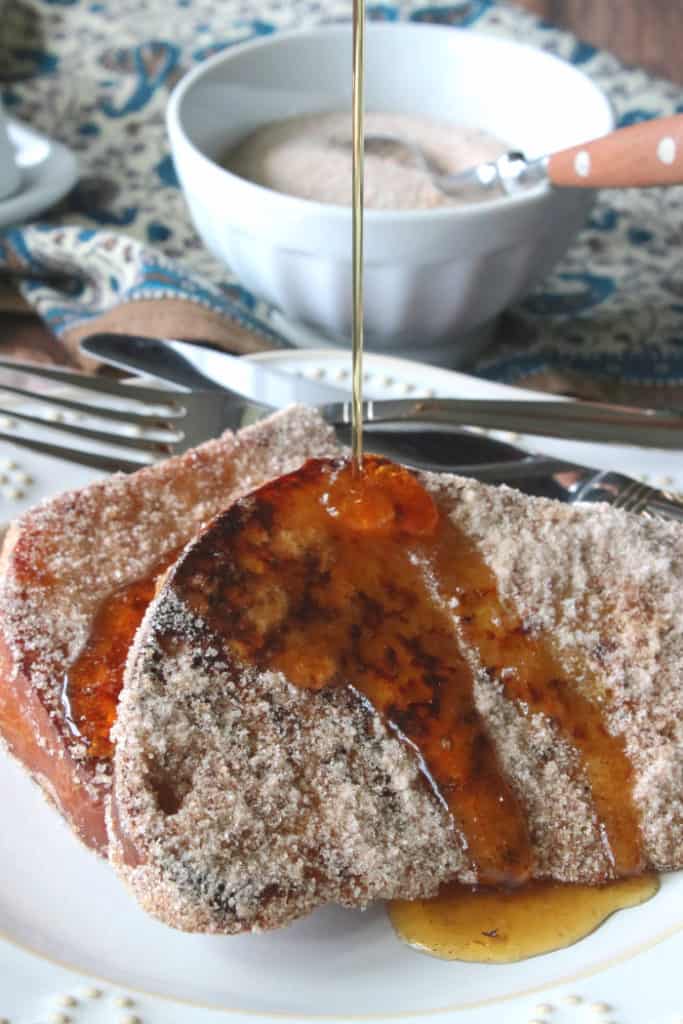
(436, 278)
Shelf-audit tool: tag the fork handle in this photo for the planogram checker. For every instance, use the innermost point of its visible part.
(579, 421)
(644, 154)
(659, 505)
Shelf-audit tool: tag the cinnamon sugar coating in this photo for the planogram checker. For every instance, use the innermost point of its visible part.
(242, 802)
(609, 584)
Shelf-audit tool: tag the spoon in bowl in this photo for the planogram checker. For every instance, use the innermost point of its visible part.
(641, 155)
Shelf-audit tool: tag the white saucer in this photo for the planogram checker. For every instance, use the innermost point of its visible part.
(452, 352)
(48, 171)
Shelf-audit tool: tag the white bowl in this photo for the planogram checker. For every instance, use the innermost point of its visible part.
(434, 279)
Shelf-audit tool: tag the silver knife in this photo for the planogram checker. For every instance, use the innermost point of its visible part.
(200, 369)
(479, 456)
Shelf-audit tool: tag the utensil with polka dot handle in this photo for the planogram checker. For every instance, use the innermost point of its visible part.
(641, 155)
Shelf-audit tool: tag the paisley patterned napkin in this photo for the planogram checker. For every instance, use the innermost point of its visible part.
(115, 283)
(608, 321)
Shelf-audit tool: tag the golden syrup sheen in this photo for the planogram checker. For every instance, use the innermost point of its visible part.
(93, 683)
(502, 926)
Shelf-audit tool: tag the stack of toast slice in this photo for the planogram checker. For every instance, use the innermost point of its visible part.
(235, 800)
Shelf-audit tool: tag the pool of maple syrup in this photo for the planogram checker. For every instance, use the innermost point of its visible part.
(502, 926)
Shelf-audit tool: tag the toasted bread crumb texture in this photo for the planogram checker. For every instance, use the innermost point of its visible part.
(248, 802)
(609, 585)
(253, 801)
(66, 556)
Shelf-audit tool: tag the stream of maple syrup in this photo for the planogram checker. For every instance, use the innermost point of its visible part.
(350, 571)
(357, 174)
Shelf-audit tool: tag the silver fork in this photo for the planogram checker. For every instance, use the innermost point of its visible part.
(156, 422)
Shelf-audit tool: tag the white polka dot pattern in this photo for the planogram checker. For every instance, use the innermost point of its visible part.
(582, 163)
(666, 150)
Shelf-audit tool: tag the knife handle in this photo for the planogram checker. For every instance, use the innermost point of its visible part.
(126, 351)
(578, 421)
(641, 155)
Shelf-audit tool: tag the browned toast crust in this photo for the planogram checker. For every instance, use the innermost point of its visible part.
(242, 802)
(64, 558)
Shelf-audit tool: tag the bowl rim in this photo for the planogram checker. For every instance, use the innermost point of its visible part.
(338, 212)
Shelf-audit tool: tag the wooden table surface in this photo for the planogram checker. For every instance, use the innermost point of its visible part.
(648, 33)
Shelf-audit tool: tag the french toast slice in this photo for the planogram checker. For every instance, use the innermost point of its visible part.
(242, 799)
(86, 551)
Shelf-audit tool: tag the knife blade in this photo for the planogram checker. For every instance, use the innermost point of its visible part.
(195, 367)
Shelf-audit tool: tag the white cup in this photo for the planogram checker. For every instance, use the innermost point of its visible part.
(10, 176)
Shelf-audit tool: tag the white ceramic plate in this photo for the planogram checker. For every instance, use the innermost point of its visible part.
(60, 905)
(48, 171)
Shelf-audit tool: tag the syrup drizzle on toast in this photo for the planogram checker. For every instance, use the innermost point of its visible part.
(92, 685)
(331, 577)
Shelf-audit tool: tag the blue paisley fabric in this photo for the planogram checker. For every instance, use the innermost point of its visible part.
(612, 311)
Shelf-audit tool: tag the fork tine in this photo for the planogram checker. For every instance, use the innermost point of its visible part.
(103, 412)
(141, 444)
(110, 463)
(159, 396)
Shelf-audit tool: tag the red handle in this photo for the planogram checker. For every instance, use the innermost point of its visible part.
(649, 153)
